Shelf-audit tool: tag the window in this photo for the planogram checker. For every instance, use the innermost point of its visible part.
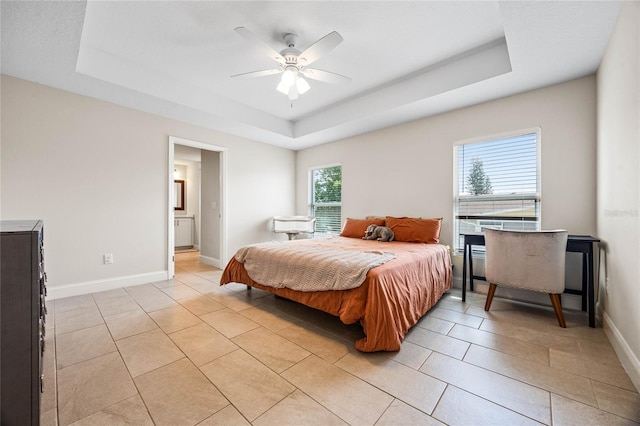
(326, 199)
(497, 185)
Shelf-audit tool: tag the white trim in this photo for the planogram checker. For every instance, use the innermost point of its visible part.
(173, 140)
(325, 166)
(498, 197)
(495, 137)
(502, 135)
(87, 287)
(170, 213)
(629, 360)
(211, 261)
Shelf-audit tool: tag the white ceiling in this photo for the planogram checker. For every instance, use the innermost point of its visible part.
(407, 60)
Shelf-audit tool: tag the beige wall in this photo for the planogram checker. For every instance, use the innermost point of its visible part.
(97, 174)
(619, 186)
(210, 215)
(193, 199)
(407, 170)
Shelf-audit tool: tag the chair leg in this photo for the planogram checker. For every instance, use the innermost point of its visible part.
(490, 293)
(557, 307)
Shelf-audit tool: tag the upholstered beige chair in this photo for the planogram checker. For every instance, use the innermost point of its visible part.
(530, 260)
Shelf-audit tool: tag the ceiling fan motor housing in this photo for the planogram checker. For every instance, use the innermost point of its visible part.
(290, 55)
(290, 39)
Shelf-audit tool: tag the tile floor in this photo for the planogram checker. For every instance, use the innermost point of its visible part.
(187, 352)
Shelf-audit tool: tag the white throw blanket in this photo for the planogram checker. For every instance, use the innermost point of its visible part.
(308, 268)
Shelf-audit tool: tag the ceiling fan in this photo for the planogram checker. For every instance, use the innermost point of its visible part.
(292, 63)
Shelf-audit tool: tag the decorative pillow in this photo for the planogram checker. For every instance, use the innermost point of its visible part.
(355, 228)
(415, 230)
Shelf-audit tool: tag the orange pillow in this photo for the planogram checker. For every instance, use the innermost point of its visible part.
(355, 228)
(413, 230)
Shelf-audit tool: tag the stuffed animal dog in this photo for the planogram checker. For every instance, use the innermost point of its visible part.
(380, 233)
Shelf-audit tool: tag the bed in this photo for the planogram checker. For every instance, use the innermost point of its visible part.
(392, 297)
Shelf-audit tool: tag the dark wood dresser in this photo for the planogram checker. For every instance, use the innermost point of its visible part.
(22, 316)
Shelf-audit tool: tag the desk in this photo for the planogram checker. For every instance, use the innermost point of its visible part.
(575, 244)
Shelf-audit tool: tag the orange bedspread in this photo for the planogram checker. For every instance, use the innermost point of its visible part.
(393, 297)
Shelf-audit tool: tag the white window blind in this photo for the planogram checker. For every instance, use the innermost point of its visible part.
(497, 185)
(326, 199)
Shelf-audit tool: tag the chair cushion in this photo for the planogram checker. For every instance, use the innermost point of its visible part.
(533, 260)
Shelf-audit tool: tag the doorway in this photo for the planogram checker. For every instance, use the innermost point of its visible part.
(211, 215)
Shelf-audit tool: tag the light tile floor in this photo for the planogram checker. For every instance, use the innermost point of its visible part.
(187, 351)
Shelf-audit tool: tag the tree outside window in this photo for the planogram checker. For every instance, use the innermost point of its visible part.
(326, 199)
(478, 182)
(327, 185)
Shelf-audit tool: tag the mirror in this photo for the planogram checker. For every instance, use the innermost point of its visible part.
(178, 189)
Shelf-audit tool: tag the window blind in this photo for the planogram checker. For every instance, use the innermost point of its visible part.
(497, 185)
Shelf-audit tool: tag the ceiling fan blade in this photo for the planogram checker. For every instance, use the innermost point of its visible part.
(266, 49)
(320, 48)
(258, 73)
(325, 76)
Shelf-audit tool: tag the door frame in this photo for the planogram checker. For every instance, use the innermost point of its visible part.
(173, 140)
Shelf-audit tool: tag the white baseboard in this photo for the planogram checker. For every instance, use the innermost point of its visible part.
(211, 261)
(629, 360)
(87, 287)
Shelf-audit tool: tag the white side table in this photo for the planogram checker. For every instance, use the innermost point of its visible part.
(294, 225)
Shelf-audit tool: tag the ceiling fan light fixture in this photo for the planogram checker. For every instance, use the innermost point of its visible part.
(302, 85)
(293, 92)
(283, 88)
(289, 76)
(292, 84)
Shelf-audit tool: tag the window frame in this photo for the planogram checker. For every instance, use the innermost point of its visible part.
(312, 205)
(528, 196)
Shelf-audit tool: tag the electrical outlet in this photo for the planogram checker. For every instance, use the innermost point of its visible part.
(108, 258)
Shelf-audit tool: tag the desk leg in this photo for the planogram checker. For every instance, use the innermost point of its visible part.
(592, 303)
(470, 269)
(585, 280)
(464, 274)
